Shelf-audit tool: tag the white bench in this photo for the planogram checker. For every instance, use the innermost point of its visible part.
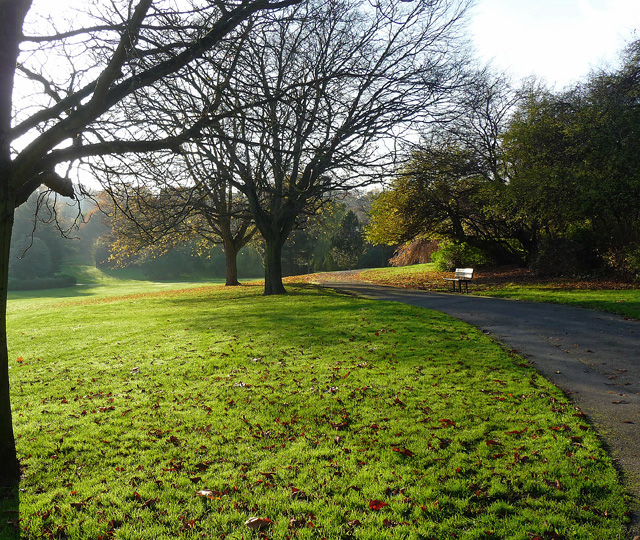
(461, 275)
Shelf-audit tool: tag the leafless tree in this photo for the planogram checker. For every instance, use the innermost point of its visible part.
(158, 202)
(65, 82)
(318, 94)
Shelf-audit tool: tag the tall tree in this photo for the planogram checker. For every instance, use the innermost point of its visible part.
(348, 243)
(449, 188)
(350, 77)
(62, 118)
(157, 204)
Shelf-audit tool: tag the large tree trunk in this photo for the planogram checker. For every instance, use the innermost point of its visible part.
(13, 13)
(231, 263)
(273, 266)
(9, 466)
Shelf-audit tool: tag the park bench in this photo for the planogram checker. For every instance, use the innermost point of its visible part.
(461, 275)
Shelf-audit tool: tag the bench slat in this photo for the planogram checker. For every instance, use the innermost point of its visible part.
(462, 275)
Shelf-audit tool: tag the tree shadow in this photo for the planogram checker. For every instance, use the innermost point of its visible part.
(10, 513)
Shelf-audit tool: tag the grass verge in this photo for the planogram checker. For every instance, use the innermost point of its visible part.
(625, 302)
(602, 295)
(182, 415)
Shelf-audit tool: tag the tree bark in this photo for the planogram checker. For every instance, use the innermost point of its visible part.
(231, 263)
(273, 266)
(9, 465)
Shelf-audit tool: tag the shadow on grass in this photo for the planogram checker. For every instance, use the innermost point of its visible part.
(10, 513)
(76, 291)
(325, 312)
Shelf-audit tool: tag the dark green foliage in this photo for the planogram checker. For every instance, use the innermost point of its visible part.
(459, 254)
(348, 242)
(38, 245)
(30, 261)
(562, 194)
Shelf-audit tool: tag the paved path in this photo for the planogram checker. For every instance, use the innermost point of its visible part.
(593, 357)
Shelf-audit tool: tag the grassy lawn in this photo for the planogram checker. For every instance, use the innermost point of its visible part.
(614, 297)
(183, 414)
(624, 302)
(94, 284)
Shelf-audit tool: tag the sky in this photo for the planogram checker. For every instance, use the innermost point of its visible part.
(560, 41)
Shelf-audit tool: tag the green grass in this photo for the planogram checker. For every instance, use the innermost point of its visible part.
(607, 296)
(310, 410)
(624, 302)
(392, 271)
(96, 284)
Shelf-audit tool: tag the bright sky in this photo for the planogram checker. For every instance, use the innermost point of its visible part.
(560, 41)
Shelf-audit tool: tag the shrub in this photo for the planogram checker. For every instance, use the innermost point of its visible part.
(415, 252)
(459, 254)
(573, 255)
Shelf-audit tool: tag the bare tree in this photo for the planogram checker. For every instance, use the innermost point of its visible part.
(349, 77)
(157, 204)
(69, 80)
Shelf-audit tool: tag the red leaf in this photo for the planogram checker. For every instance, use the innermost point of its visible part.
(517, 432)
(377, 505)
(403, 451)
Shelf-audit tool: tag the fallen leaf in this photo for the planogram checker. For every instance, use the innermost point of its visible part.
(377, 505)
(403, 451)
(258, 524)
(208, 493)
(295, 523)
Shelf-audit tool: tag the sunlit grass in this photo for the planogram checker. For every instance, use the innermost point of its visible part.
(332, 417)
(97, 284)
(620, 298)
(624, 302)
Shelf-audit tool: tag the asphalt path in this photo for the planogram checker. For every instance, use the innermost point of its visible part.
(593, 357)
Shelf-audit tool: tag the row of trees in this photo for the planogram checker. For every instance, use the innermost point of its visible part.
(167, 245)
(279, 101)
(545, 179)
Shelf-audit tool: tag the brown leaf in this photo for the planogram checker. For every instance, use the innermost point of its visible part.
(258, 523)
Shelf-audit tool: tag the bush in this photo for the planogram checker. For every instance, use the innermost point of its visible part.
(624, 262)
(415, 252)
(37, 284)
(573, 255)
(459, 254)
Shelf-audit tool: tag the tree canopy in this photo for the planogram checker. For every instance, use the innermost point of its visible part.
(550, 179)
